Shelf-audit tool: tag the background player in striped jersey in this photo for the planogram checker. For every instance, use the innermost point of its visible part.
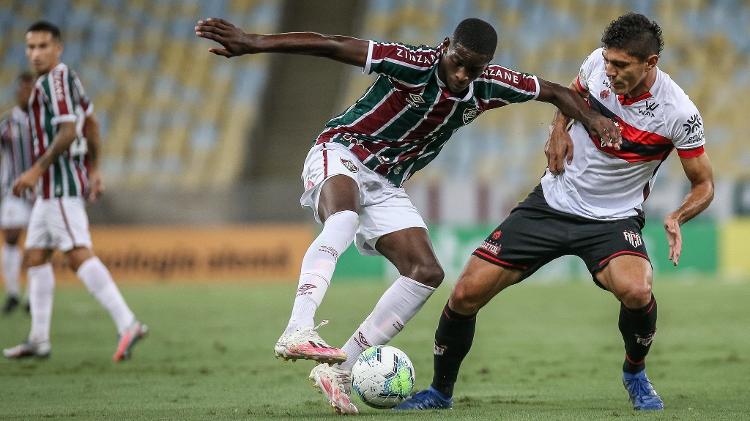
(590, 204)
(15, 158)
(65, 172)
(354, 172)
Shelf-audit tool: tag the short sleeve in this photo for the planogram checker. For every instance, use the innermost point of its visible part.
(587, 69)
(79, 95)
(405, 63)
(61, 95)
(688, 133)
(499, 86)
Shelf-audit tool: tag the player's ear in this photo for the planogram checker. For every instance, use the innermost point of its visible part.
(651, 61)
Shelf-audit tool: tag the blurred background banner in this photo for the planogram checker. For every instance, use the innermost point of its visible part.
(195, 140)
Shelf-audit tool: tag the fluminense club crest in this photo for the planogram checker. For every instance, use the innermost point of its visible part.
(351, 166)
(470, 114)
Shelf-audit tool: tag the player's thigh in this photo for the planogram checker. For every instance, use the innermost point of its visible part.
(388, 210)
(330, 176)
(479, 282)
(68, 224)
(410, 250)
(630, 278)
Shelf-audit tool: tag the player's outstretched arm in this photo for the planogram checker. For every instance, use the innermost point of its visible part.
(235, 42)
(700, 174)
(571, 104)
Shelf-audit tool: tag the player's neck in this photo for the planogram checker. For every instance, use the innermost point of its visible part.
(644, 86)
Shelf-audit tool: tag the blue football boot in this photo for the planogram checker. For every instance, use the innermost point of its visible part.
(426, 399)
(641, 392)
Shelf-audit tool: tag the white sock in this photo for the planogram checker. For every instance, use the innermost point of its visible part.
(99, 282)
(11, 261)
(318, 266)
(41, 290)
(396, 307)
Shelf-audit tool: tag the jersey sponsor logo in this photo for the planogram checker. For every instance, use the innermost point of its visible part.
(305, 289)
(492, 248)
(648, 109)
(351, 166)
(415, 57)
(633, 238)
(504, 74)
(470, 114)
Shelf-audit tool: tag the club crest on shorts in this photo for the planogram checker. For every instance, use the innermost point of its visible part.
(633, 238)
(351, 166)
(496, 235)
(470, 114)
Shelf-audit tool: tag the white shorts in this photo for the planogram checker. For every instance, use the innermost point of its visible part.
(384, 208)
(14, 212)
(60, 223)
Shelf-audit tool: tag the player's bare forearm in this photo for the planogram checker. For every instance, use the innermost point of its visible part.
(700, 174)
(236, 42)
(93, 140)
(559, 120)
(61, 143)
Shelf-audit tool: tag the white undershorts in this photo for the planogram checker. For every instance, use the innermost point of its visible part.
(384, 208)
(59, 223)
(14, 212)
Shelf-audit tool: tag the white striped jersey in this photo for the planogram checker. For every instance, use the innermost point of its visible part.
(15, 147)
(604, 183)
(58, 97)
(403, 120)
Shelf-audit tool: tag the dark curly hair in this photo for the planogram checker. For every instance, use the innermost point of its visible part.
(476, 35)
(638, 35)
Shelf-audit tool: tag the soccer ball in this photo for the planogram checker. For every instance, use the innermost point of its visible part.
(383, 376)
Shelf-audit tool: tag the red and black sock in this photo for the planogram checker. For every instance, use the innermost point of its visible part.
(638, 327)
(453, 339)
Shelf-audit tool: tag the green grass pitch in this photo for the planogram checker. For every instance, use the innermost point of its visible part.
(541, 352)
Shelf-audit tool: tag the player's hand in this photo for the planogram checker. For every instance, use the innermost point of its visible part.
(96, 186)
(674, 237)
(559, 147)
(607, 130)
(233, 39)
(26, 181)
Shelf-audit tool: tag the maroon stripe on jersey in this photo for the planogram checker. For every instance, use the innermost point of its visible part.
(40, 135)
(691, 153)
(58, 85)
(81, 181)
(325, 162)
(380, 115)
(433, 119)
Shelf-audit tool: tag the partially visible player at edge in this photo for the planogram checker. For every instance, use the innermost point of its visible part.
(354, 172)
(15, 158)
(65, 172)
(590, 204)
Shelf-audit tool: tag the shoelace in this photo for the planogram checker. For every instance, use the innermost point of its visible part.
(319, 325)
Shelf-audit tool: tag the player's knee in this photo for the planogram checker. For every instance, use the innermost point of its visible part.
(637, 295)
(428, 273)
(464, 300)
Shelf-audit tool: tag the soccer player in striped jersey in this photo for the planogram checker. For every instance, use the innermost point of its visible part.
(590, 204)
(354, 173)
(65, 173)
(15, 158)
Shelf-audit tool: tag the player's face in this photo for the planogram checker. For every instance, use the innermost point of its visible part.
(626, 73)
(42, 50)
(460, 66)
(23, 92)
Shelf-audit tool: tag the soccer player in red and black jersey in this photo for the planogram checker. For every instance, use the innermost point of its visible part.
(353, 174)
(590, 204)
